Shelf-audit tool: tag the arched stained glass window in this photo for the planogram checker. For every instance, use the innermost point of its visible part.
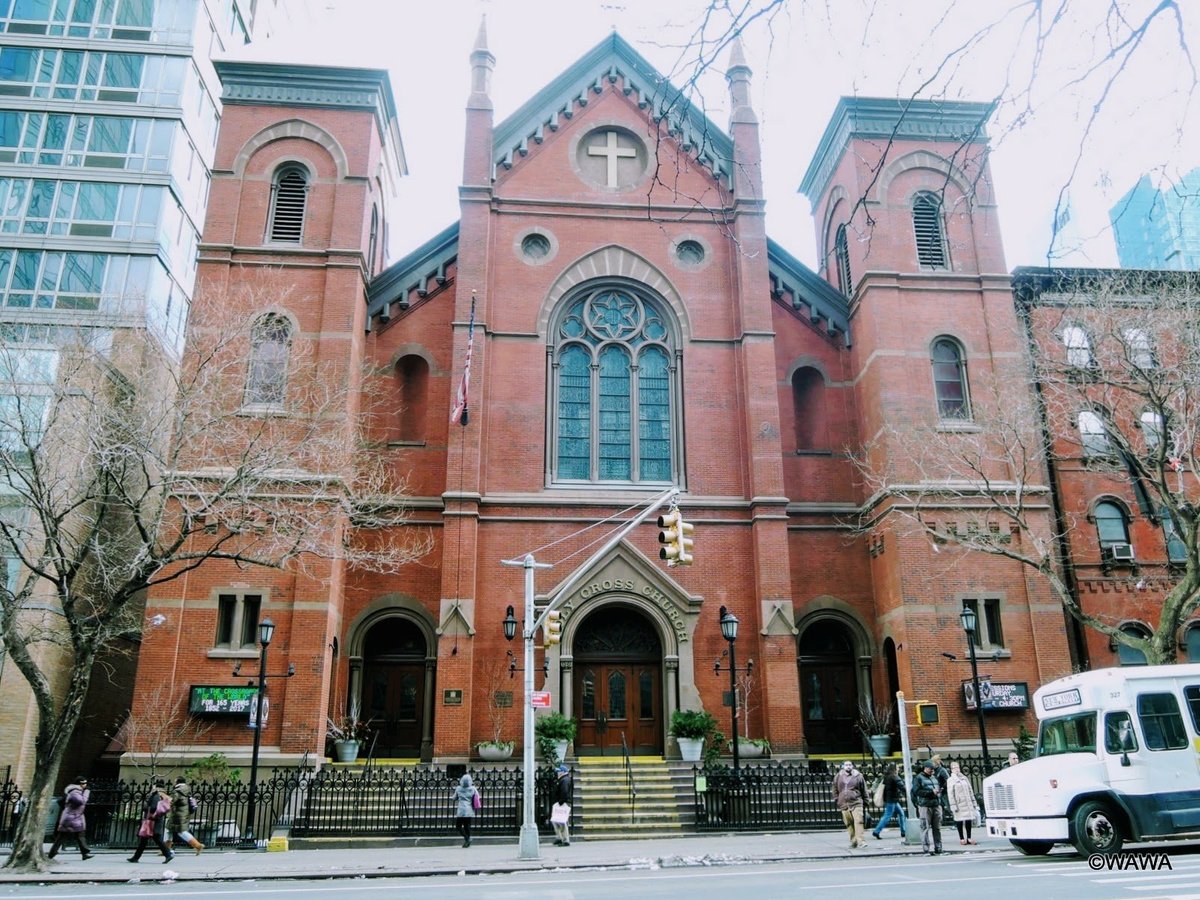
(950, 380)
(614, 389)
(271, 345)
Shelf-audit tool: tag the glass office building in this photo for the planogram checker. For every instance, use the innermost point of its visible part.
(1159, 228)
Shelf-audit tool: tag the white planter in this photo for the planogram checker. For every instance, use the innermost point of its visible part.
(880, 743)
(691, 749)
(746, 750)
(560, 751)
(495, 752)
(347, 751)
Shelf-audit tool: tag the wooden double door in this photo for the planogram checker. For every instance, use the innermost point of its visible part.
(393, 702)
(615, 698)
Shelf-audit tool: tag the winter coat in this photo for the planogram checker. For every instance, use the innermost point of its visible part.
(942, 774)
(74, 801)
(564, 790)
(849, 788)
(926, 790)
(181, 814)
(465, 794)
(893, 789)
(150, 808)
(962, 798)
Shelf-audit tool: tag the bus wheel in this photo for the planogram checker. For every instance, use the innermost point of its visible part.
(1033, 848)
(1095, 830)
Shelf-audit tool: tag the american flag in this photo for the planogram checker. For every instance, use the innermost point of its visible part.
(459, 412)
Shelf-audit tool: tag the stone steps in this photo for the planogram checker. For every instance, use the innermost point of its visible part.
(604, 806)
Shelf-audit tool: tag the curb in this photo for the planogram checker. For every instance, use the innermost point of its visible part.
(672, 861)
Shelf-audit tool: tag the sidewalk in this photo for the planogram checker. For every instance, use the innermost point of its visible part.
(489, 855)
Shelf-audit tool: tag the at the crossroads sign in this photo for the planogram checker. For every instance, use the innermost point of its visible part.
(220, 700)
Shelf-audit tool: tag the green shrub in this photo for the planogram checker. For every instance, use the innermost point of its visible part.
(692, 723)
(213, 768)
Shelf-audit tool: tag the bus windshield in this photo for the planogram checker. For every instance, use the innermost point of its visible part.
(1068, 734)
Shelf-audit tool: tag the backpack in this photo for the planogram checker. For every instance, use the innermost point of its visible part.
(477, 801)
(164, 807)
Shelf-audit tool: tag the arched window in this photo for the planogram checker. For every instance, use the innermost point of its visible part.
(614, 389)
(841, 255)
(1177, 551)
(928, 229)
(1130, 656)
(373, 242)
(808, 407)
(1079, 347)
(1093, 434)
(271, 345)
(1111, 527)
(1191, 643)
(950, 380)
(289, 195)
(412, 374)
(1138, 348)
(1152, 430)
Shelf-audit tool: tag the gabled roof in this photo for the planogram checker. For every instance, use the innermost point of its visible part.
(609, 60)
(795, 284)
(412, 272)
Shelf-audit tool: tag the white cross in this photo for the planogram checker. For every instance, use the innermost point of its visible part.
(613, 152)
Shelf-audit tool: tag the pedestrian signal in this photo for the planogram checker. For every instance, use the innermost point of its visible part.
(927, 713)
(552, 628)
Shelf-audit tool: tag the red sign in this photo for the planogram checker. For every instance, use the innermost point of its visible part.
(540, 699)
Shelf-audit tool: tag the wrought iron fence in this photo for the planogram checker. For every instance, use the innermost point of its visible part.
(791, 795)
(414, 801)
(114, 810)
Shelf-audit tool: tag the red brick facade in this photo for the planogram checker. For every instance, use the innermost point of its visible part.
(775, 378)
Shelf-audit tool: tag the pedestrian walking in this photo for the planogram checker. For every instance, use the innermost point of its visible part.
(1013, 759)
(71, 824)
(182, 806)
(893, 802)
(927, 798)
(850, 794)
(963, 805)
(560, 813)
(468, 801)
(154, 817)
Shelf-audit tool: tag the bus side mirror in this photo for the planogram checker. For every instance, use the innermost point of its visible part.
(1127, 744)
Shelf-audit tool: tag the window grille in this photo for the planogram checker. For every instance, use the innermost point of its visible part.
(287, 213)
(927, 226)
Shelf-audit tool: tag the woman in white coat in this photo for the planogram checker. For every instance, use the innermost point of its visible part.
(962, 803)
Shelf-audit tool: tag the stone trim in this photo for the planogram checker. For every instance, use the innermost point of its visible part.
(293, 128)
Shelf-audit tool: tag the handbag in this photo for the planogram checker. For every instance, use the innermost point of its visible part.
(147, 829)
(477, 801)
(877, 796)
(164, 807)
(560, 814)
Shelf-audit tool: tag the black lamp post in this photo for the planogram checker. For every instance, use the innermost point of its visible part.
(510, 625)
(729, 630)
(970, 621)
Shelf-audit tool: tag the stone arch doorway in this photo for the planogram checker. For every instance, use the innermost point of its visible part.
(618, 666)
(395, 688)
(828, 687)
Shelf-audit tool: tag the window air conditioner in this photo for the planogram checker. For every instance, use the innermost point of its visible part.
(1120, 552)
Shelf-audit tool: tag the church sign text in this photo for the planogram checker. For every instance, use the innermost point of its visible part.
(631, 586)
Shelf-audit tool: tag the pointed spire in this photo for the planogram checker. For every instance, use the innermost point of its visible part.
(738, 75)
(482, 63)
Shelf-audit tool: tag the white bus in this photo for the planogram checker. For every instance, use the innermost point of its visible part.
(1118, 759)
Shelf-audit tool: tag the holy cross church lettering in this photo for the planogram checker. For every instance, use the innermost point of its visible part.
(631, 586)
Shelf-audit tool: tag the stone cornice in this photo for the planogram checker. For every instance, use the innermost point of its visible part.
(890, 118)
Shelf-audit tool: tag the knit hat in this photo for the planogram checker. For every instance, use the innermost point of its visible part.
(562, 769)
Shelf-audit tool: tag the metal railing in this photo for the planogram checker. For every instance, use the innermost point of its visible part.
(415, 801)
(789, 795)
(630, 787)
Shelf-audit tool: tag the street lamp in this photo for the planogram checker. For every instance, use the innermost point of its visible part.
(970, 620)
(510, 625)
(729, 630)
(266, 631)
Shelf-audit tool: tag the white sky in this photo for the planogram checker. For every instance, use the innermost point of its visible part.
(818, 51)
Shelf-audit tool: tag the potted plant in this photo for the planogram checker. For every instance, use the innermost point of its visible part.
(348, 734)
(499, 704)
(554, 731)
(690, 727)
(876, 723)
(753, 748)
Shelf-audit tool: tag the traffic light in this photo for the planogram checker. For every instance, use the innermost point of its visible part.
(675, 538)
(927, 713)
(552, 628)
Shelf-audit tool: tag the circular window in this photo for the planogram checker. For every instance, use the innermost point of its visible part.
(690, 253)
(611, 158)
(535, 246)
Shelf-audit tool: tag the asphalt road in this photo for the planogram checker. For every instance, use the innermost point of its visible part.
(1062, 876)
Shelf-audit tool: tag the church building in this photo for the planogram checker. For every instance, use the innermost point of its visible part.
(629, 327)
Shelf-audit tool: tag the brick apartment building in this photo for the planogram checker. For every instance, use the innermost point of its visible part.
(633, 328)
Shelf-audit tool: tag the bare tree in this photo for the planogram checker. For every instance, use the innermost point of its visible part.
(160, 723)
(1112, 400)
(124, 467)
